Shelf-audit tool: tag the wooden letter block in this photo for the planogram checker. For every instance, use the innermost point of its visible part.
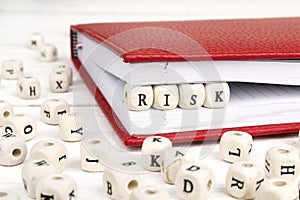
(12, 69)
(119, 185)
(71, 127)
(35, 40)
(59, 82)
(33, 171)
(166, 97)
(194, 181)
(6, 110)
(244, 179)
(138, 97)
(152, 150)
(90, 162)
(282, 162)
(191, 96)
(66, 69)
(235, 146)
(28, 88)
(47, 53)
(52, 151)
(278, 189)
(23, 125)
(172, 160)
(53, 109)
(56, 186)
(217, 95)
(13, 150)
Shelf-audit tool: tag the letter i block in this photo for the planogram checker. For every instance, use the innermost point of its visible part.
(282, 162)
(194, 181)
(166, 97)
(138, 97)
(152, 150)
(243, 180)
(217, 95)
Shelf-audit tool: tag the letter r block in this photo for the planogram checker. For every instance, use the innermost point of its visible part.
(243, 180)
(138, 97)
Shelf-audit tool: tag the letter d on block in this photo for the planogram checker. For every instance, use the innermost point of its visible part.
(194, 181)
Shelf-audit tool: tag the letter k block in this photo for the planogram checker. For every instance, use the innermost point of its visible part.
(152, 150)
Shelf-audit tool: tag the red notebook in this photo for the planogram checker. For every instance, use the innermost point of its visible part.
(113, 49)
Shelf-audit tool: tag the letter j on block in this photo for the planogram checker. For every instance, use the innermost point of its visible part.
(152, 151)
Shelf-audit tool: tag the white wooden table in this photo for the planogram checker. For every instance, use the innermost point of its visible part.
(53, 18)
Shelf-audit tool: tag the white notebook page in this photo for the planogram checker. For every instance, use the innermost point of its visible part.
(275, 72)
(249, 105)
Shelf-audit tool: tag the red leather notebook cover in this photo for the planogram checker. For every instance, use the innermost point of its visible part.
(238, 39)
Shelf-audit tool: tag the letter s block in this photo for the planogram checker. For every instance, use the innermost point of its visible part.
(194, 181)
(138, 97)
(152, 151)
(191, 96)
(53, 109)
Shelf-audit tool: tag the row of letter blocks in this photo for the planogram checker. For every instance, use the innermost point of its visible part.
(186, 96)
(29, 87)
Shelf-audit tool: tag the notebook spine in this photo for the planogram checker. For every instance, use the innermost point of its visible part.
(74, 44)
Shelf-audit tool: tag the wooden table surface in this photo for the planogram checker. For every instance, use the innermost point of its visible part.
(18, 19)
